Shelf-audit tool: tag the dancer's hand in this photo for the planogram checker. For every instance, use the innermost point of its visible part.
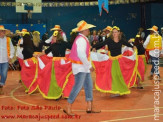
(94, 50)
(35, 55)
(9, 60)
(161, 55)
(91, 69)
(43, 53)
(131, 40)
(134, 48)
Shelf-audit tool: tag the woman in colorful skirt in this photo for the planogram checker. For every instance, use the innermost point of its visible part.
(30, 69)
(54, 85)
(118, 73)
(19, 49)
(141, 61)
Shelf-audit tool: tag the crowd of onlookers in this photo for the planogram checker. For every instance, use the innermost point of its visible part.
(94, 37)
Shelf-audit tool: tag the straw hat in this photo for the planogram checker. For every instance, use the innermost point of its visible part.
(131, 40)
(23, 31)
(36, 32)
(154, 28)
(115, 27)
(3, 28)
(56, 27)
(109, 28)
(55, 33)
(82, 25)
(17, 31)
(137, 36)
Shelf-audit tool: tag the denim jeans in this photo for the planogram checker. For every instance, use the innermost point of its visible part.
(3, 72)
(82, 79)
(155, 66)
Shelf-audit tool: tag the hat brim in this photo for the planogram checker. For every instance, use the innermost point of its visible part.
(152, 30)
(6, 31)
(87, 26)
(22, 32)
(54, 29)
(107, 29)
(104, 29)
(16, 32)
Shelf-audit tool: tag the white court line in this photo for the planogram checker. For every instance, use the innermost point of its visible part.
(138, 117)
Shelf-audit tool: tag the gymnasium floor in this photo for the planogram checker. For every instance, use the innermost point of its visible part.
(139, 106)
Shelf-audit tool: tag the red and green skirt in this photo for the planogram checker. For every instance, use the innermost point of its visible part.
(30, 73)
(56, 79)
(116, 74)
(141, 67)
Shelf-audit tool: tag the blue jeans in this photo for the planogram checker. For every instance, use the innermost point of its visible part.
(82, 79)
(155, 66)
(3, 72)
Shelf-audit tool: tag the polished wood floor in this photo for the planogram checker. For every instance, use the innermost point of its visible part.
(143, 105)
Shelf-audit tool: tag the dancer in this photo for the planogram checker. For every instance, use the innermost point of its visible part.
(57, 83)
(29, 68)
(107, 31)
(141, 60)
(57, 28)
(115, 79)
(49, 41)
(6, 54)
(81, 68)
(153, 44)
(58, 47)
(38, 44)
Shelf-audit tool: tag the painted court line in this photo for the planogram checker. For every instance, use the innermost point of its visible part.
(122, 119)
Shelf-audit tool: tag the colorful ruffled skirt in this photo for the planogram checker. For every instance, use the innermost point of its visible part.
(141, 67)
(30, 73)
(53, 76)
(56, 79)
(115, 74)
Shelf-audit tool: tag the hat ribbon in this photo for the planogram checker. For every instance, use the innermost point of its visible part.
(81, 26)
(154, 28)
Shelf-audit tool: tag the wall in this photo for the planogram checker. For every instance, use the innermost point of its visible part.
(127, 17)
(157, 15)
